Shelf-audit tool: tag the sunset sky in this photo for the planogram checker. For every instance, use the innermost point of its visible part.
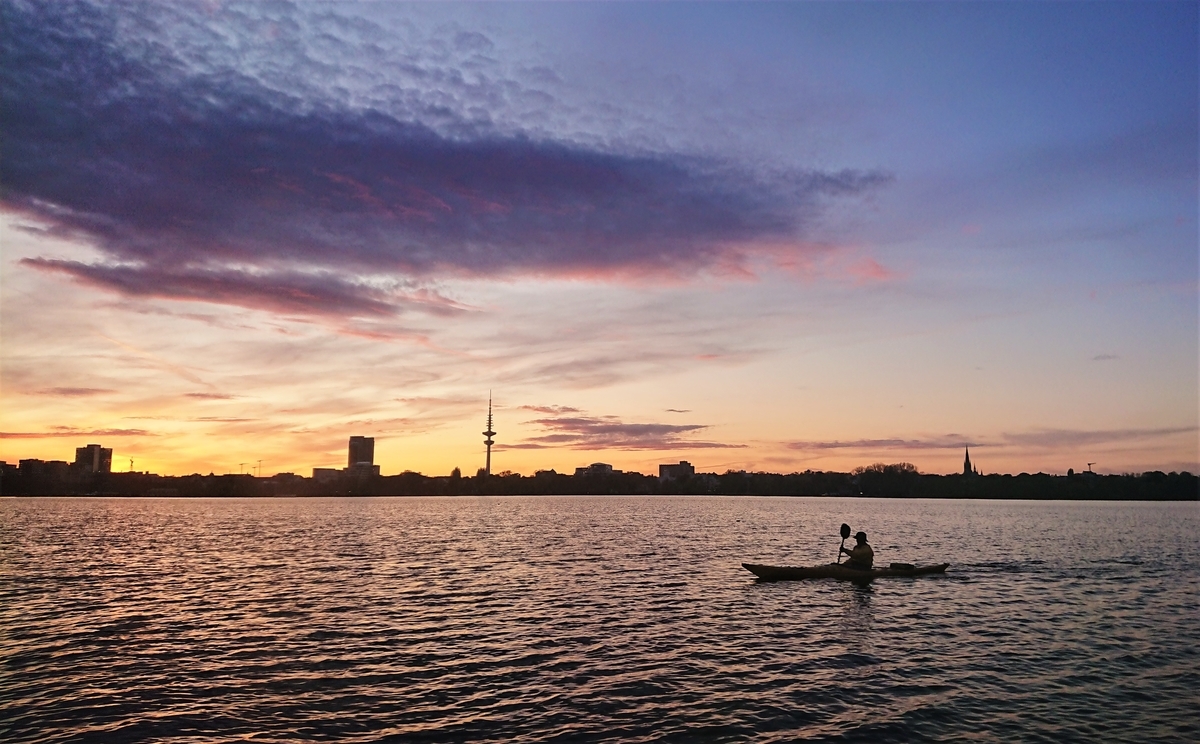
(778, 236)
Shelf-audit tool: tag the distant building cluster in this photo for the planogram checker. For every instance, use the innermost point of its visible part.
(91, 475)
(360, 462)
(90, 459)
(596, 469)
(675, 472)
(680, 472)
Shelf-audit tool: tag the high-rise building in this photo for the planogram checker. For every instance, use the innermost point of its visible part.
(680, 472)
(94, 459)
(362, 449)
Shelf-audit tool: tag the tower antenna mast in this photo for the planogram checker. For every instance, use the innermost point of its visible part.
(487, 468)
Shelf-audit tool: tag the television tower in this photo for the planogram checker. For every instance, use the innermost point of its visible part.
(487, 468)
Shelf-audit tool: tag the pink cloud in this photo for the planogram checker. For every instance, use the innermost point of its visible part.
(949, 441)
(73, 392)
(550, 409)
(71, 431)
(869, 270)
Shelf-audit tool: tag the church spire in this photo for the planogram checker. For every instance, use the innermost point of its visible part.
(967, 469)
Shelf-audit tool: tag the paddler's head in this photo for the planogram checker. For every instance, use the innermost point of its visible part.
(860, 538)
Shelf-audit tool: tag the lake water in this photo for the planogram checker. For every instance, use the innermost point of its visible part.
(540, 619)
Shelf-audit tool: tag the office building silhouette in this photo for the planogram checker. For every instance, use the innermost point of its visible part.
(362, 450)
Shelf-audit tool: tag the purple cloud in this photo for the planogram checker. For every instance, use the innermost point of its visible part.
(1083, 438)
(74, 392)
(201, 181)
(1042, 438)
(556, 410)
(609, 432)
(951, 441)
(323, 294)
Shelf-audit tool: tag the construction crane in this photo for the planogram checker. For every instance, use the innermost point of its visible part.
(258, 470)
(1090, 464)
(242, 468)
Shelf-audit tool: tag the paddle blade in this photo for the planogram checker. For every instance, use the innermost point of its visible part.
(845, 531)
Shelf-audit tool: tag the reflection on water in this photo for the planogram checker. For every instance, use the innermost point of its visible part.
(623, 619)
(857, 615)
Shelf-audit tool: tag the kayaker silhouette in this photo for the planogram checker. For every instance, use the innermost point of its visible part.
(861, 555)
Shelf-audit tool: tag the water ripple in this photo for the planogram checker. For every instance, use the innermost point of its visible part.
(591, 619)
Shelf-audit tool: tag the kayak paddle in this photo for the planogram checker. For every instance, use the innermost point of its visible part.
(845, 534)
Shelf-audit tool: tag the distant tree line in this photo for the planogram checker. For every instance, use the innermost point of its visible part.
(899, 480)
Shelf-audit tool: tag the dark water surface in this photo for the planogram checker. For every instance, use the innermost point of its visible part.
(585, 619)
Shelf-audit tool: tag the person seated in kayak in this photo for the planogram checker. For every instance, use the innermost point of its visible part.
(861, 555)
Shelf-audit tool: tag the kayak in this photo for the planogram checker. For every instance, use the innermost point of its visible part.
(841, 572)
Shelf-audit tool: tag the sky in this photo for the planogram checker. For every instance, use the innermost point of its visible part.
(759, 236)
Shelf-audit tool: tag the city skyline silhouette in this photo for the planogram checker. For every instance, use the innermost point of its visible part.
(774, 237)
